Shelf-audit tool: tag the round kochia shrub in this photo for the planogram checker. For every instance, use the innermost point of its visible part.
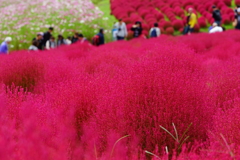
(177, 24)
(202, 22)
(196, 28)
(226, 20)
(227, 2)
(170, 30)
(159, 16)
(166, 24)
(237, 2)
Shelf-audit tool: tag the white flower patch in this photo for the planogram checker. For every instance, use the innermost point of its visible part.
(34, 15)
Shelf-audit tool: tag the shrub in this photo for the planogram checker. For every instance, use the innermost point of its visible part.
(169, 30)
(227, 2)
(226, 20)
(166, 24)
(22, 70)
(177, 24)
(202, 22)
(237, 2)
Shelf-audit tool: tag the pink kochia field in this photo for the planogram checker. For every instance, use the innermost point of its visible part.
(163, 98)
(171, 14)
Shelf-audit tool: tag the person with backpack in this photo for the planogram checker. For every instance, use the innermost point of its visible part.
(236, 22)
(121, 30)
(4, 47)
(51, 43)
(137, 29)
(155, 31)
(47, 35)
(98, 39)
(216, 14)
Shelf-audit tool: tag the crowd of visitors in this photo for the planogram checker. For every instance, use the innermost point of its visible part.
(46, 41)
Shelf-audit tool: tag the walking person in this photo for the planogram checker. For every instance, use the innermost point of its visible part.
(191, 21)
(121, 30)
(51, 44)
(114, 33)
(4, 47)
(216, 14)
(155, 31)
(137, 29)
(236, 22)
(98, 39)
(47, 35)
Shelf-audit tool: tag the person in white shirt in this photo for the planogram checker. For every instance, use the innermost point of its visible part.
(51, 43)
(216, 28)
(155, 31)
(121, 30)
(34, 45)
(68, 40)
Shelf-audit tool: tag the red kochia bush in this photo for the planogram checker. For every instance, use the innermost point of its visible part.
(226, 20)
(202, 22)
(169, 30)
(166, 24)
(227, 2)
(177, 24)
(196, 28)
(237, 2)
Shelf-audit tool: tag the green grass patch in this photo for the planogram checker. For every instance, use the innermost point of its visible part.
(109, 20)
(177, 17)
(233, 4)
(166, 18)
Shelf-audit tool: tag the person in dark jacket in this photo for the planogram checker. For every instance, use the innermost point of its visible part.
(101, 37)
(236, 22)
(137, 29)
(75, 37)
(216, 14)
(47, 35)
(60, 40)
(39, 40)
